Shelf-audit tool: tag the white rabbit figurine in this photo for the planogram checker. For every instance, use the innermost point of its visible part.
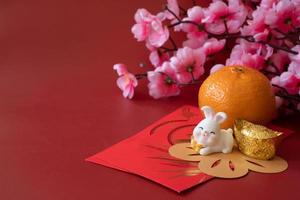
(210, 136)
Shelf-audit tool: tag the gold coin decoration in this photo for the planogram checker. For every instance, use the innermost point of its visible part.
(195, 146)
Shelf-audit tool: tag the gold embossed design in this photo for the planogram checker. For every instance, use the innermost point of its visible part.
(231, 165)
(256, 141)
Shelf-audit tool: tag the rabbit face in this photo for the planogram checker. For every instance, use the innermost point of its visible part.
(208, 130)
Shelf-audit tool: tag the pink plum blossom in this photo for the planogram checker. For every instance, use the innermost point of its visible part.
(173, 6)
(257, 27)
(296, 2)
(188, 64)
(279, 101)
(216, 67)
(120, 69)
(149, 28)
(250, 60)
(244, 55)
(294, 68)
(261, 36)
(268, 51)
(247, 54)
(126, 81)
(283, 16)
(195, 40)
(162, 82)
(264, 51)
(287, 80)
(157, 58)
(219, 13)
(195, 14)
(280, 60)
(212, 46)
(266, 4)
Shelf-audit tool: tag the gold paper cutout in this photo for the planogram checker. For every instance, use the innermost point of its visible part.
(231, 165)
(222, 165)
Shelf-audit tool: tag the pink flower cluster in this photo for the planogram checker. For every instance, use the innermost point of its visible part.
(126, 81)
(273, 24)
(261, 34)
(149, 28)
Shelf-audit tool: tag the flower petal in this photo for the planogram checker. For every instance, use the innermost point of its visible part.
(120, 68)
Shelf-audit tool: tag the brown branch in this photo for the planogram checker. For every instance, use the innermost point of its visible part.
(173, 43)
(170, 11)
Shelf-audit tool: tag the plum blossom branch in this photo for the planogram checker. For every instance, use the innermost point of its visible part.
(270, 72)
(285, 93)
(172, 13)
(292, 36)
(270, 44)
(226, 34)
(275, 67)
(167, 49)
(248, 38)
(140, 76)
(260, 34)
(173, 43)
(226, 27)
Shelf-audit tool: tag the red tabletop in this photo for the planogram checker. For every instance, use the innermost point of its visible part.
(59, 104)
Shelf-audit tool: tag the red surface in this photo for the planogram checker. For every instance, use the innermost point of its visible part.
(59, 105)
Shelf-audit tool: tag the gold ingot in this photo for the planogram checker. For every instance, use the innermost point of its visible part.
(195, 146)
(256, 141)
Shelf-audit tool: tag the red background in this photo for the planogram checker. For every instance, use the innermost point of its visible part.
(59, 104)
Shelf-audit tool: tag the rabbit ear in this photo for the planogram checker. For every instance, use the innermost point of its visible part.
(208, 112)
(220, 117)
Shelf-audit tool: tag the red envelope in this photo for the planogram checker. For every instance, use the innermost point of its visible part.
(146, 153)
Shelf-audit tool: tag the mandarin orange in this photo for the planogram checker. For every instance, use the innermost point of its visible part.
(241, 92)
